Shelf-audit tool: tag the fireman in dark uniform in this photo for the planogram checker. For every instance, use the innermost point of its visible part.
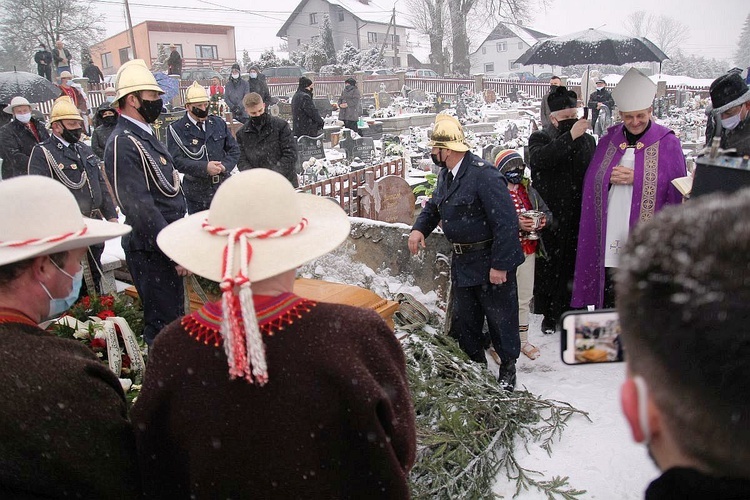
(202, 148)
(147, 188)
(67, 160)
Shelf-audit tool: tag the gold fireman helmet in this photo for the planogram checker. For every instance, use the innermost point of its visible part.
(196, 94)
(448, 134)
(132, 77)
(64, 109)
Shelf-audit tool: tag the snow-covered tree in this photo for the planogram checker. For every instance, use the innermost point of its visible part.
(371, 58)
(315, 56)
(348, 58)
(246, 61)
(326, 37)
(297, 58)
(161, 59)
(268, 59)
(742, 55)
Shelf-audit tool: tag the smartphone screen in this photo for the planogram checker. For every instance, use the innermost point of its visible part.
(591, 337)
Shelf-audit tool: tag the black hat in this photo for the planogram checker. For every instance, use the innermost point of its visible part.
(235, 66)
(562, 98)
(255, 67)
(728, 91)
(351, 81)
(304, 82)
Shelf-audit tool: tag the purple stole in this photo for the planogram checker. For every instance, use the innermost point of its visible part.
(658, 160)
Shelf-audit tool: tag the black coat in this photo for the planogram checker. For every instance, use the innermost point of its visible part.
(234, 92)
(148, 206)
(16, 143)
(185, 143)
(259, 86)
(93, 73)
(600, 96)
(43, 58)
(57, 56)
(305, 116)
(99, 139)
(269, 146)
(690, 484)
(476, 207)
(737, 138)
(174, 63)
(558, 165)
(75, 160)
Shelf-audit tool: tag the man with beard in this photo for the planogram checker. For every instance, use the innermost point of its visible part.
(628, 180)
(266, 141)
(306, 119)
(730, 99)
(471, 201)
(687, 344)
(147, 188)
(202, 148)
(234, 92)
(70, 161)
(559, 156)
(554, 82)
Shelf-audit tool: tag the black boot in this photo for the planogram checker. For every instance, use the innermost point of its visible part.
(506, 376)
(549, 325)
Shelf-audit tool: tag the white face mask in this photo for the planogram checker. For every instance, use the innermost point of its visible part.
(253, 75)
(110, 98)
(731, 122)
(235, 75)
(23, 117)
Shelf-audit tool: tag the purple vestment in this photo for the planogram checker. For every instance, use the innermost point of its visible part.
(658, 160)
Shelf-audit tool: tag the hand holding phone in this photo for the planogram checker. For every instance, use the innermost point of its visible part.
(591, 337)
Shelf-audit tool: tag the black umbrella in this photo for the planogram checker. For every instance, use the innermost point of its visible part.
(33, 87)
(592, 46)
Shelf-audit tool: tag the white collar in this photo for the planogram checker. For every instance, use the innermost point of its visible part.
(455, 169)
(63, 141)
(193, 120)
(144, 126)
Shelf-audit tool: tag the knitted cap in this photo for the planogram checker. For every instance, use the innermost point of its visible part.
(508, 159)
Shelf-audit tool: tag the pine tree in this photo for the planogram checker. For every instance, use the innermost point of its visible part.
(326, 35)
(315, 57)
(246, 61)
(268, 59)
(161, 59)
(742, 56)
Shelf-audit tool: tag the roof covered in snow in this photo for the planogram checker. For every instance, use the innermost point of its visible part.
(365, 10)
(506, 30)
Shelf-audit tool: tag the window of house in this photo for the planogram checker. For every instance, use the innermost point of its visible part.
(395, 40)
(372, 37)
(512, 65)
(206, 52)
(489, 67)
(341, 14)
(313, 18)
(107, 60)
(126, 55)
(502, 46)
(520, 45)
(484, 50)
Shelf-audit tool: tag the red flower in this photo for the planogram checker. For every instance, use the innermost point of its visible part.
(125, 361)
(106, 314)
(86, 301)
(107, 301)
(98, 344)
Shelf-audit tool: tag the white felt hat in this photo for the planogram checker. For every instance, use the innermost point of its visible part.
(16, 101)
(634, 92)
(41, 217)
(259, 200)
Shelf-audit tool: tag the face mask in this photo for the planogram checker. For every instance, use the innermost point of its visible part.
(110, 99)
(437, 161)
(514, 176)
(59, 306)
(23, 117)
(235, 75)
(253, 75)
(72, 136)
(565, 125)
(731, 122)
(150, 110)
(552, 88)
(109, 120)
(66, 83)
(258, 120)
(200, 113)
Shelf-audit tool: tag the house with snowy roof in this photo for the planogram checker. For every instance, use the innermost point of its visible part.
(365, 23)
(497, 53)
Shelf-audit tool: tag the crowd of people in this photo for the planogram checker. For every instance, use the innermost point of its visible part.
(267, 394)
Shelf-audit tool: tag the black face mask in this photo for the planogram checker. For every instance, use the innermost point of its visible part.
(258, 120)
(71, 135)
(514, 176)
(309, 91)
(565, 125)
(437, 161)
(150, 110)
(200, 113)
(552, 88)
(109, 120)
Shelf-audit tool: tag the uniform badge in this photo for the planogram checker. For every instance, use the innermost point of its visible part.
(163, 160)
(59, 146)
(195, 142)
(74, 166)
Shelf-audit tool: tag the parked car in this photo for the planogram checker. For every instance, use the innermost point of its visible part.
(422, 73)
(192, 74)
(544, 77)
(521, 76)
(284, 72)
(380, 71)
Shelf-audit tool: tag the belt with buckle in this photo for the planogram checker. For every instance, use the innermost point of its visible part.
(215, 179)
(461, 248)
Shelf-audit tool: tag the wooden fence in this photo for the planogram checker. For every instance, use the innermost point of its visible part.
(344, 188)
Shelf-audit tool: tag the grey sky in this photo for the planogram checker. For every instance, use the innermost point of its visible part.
(715, 26)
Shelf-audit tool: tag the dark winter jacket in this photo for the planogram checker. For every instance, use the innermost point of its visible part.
(737, 138)
(57, 56)
(64, 424)
(174, 63)
(305, 116)
(43, 58)
(690, 484)
(16, 143)
(270, 145)
(352, 97)
(602, 96)
(99, 139)
(259, 86)
(93, 73)
(234, 92)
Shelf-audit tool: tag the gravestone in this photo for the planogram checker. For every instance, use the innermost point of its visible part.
(489, 96)
(440, 103)
(285, 110)
(362, 148)
(417, 95)
(308, 147)
(323, 105)
(511, 132)
(164, 121)
(384, 99)
(390, 199)
(487, 153)
(368, 105)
